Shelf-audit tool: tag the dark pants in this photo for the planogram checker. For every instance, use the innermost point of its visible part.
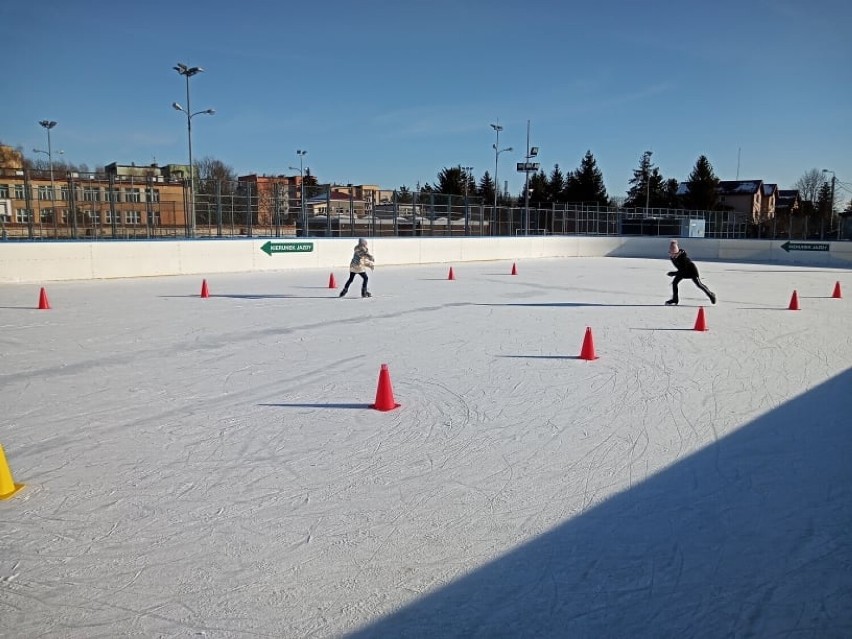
(696, 281)
(352, 277)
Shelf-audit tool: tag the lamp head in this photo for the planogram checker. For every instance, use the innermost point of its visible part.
(210, 111)
(176, 106)
(497, 127)
(47, 124)
(187, 70)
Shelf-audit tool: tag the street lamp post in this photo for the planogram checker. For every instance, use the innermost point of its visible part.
(301, 197)
(831, 211)
(49, 155)
(467, 172)
(497, 151)
(302, 153)
(188, 72)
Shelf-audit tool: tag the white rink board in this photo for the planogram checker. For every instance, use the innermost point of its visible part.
(53, 261)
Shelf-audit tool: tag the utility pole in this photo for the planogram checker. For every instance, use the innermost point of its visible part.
(525, 167)
(831, 210)
(648, 155)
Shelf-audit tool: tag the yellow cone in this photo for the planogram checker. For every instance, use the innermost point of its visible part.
(8, 487)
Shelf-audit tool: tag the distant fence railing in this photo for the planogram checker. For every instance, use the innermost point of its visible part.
(75, 207)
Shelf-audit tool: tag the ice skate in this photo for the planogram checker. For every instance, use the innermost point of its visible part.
(343, 292)
(366, 294)
(671, 303)
(712, 298)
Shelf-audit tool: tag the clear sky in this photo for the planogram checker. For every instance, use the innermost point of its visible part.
(390, 93)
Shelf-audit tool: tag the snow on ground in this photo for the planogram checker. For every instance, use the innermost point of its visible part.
(210, 467)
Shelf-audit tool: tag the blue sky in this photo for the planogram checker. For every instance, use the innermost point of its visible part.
(390, 93)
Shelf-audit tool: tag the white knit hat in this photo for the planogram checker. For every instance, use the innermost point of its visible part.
(362, 242)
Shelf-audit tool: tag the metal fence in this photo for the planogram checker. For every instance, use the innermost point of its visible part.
(108, 207)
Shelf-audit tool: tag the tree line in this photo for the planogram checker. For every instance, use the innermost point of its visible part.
(583, 185)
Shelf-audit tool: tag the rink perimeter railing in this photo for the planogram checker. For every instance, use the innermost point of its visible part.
(118, 208)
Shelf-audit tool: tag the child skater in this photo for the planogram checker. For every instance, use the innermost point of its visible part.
(361, 261)
(686, 270)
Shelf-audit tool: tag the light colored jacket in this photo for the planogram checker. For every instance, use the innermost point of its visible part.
(361, 260)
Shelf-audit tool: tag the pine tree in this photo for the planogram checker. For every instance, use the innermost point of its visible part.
(639, 192)
(539, 189)
(555, 185)
(485, 190)
(451, 181)
(671, 198)
(702, 187)
(586, 183)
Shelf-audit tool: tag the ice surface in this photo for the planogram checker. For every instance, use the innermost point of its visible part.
(210, 467)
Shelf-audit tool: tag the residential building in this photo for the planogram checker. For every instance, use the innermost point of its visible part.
(746, 197)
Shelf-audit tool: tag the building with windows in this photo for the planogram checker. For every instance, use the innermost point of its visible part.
(123, 201)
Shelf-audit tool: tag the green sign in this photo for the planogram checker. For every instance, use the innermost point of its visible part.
(287, 247)
(805, 246)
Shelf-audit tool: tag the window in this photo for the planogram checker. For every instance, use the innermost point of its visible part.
(22, 216)
(91, 194)
(44, 193)
(4, 191)
(132, 218)
(94, 217)
(63, 193)
(108, 218)
(46, 216)
(153, 195)
(110, 195)
(5, 213)
(132, 195)
(20, 194)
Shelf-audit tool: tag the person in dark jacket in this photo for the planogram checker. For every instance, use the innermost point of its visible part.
(686, 270)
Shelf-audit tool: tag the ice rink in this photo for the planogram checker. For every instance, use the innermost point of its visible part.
(211, 467)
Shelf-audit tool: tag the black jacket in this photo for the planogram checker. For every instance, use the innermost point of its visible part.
(685, 267)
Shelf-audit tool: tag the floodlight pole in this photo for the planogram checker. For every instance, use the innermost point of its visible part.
(188, 72)
(48, 125)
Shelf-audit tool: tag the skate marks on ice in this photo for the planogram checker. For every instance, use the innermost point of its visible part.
(746, 537)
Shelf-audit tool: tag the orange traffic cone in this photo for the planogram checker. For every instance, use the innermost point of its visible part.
(514, 269)
(8, 487)
(43, 304)
(384, 392)
(700, 321)
(794, 302)
(588, 350)
(332, 283)
(205, 292)
(836, 294)
(452, 275)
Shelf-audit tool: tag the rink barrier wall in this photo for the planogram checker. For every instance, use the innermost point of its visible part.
(52, 261)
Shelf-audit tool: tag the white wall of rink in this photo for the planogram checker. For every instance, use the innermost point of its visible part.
(49, 261)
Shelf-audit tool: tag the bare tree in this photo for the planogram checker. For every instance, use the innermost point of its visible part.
(211, 169)
(809, 184)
